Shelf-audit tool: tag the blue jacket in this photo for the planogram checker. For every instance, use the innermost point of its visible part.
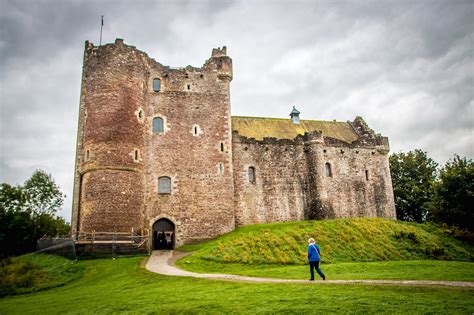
(313, 252)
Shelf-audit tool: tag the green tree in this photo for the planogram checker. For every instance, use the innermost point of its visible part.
(454, 194)
(29, 212)
(42, 194)
(413, 177)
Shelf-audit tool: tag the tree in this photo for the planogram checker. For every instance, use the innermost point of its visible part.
(454, 194)
(413, 177)
(29, 212)
(42, 193)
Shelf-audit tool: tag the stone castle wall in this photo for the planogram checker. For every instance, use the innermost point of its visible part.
(195, 149)
(292, 182)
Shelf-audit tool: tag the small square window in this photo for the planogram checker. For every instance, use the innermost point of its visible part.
(164, 185)
(156, 85)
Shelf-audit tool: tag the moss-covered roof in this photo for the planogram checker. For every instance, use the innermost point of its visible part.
(280, 128)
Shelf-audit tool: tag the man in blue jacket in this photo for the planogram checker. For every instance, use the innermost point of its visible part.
(314, 259)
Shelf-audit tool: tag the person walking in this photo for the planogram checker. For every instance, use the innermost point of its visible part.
(314, 257)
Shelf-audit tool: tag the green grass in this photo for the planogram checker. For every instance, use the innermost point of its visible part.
(35, 272)
(122, 286)
(387, 270)
(341, 240)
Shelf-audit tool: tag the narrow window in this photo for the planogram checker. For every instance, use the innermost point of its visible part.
(136, 155)
(88, 155)
(221, 168)
(164, 185)
(195, 131)
(140, 114)
(158, 125)
(328, 170)
(367, 175)
(189, 86)
(251, 174)
(156, 85)
(222, 146)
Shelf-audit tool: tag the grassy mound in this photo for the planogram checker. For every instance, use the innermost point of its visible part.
(341, 240)
(34, 272)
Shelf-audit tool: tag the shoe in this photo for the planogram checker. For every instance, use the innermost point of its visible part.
(324, 278)
(311, 279)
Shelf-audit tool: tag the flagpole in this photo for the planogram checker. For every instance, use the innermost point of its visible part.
(101, 25)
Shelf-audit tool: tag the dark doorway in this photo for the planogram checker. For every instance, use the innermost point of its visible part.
(163, 234)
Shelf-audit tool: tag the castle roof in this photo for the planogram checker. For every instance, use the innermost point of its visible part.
(280, 128)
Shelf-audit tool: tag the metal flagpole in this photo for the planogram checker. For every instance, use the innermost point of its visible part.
(101, 25)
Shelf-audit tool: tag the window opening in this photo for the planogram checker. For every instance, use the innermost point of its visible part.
(251, 173)
(158, 125)
(221, 168)
(195, 130)
(328, 170)
(136, 155)
(140, 114)
(189, 86)
(156, 85)
(164, 185)
(222, 146)
(367, 175)
(88, 155)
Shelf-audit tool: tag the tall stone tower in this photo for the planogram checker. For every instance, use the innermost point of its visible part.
(154, 147)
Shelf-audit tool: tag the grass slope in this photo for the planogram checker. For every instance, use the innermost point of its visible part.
(121, 286)
(34, 272)
(341, 240)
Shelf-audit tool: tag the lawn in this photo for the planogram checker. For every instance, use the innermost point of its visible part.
(385, 270)
(123, 286)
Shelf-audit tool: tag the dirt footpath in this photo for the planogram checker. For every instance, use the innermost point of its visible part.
(163, 262)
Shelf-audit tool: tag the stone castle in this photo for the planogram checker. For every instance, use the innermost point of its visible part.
(159, 152)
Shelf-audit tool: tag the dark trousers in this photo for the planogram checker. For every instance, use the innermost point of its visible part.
(315, 265)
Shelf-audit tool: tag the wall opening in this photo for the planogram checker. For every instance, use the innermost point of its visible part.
(251, 174)
(163, 234)
(164, 185)
(367, 175)
(222, 146)
(136, 155)
(328, 170)
(189, 87)
(158, 126)
(156, 85)
(88, 155)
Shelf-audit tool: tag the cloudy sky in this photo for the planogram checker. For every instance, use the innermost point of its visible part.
(405, 66)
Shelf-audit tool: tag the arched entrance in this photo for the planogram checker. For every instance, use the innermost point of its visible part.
(163, 234)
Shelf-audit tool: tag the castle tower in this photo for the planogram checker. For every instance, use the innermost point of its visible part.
(109, 179)
(189, 155)
(154, 149)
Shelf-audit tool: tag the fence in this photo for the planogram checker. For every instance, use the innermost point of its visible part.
(115, 244)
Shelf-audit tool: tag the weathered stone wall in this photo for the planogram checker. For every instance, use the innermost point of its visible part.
(280, 187)
(194, 151)
(292, 182)
(109, 179)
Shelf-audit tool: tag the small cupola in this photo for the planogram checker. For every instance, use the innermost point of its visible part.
(295, 116)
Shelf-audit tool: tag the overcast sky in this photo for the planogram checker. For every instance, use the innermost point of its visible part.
(405, 66)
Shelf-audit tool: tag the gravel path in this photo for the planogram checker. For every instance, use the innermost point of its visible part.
(163, 262)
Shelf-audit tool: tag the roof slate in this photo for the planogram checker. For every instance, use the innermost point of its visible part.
(280, 128)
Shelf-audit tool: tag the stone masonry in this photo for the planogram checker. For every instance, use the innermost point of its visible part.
(222, 171)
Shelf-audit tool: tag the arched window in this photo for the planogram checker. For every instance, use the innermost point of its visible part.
(164, 185)
(158, 125)
(251, 172)
(156, 85)
(328, 170)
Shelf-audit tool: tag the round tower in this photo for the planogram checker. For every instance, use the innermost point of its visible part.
(109, 179)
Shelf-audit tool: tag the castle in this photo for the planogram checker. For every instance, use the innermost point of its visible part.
(159, 152)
